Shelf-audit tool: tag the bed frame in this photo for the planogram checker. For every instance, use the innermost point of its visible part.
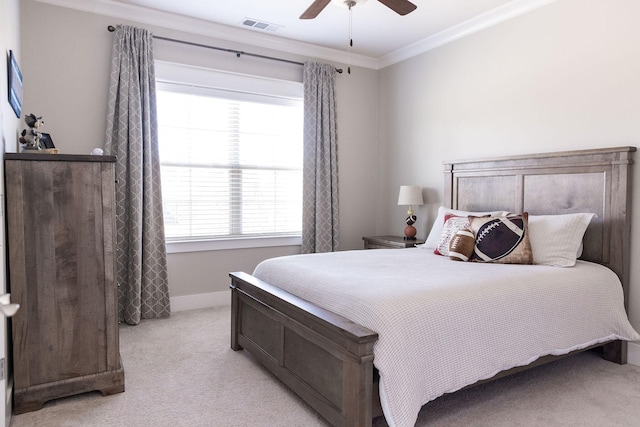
(327, 359)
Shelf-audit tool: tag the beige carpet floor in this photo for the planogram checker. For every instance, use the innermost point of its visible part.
(181, 372)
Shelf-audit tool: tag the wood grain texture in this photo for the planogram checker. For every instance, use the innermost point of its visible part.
(325, 358)
(61, 261)
(314, 9)
(550, 183)
(389, 242)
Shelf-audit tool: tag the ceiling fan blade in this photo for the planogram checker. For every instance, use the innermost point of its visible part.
(315, 8)
(401, 7)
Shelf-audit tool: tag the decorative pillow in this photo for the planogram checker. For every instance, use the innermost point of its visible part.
(433, 239)
(557, 239)
(452, 225)
(502, 239)
(461, 245)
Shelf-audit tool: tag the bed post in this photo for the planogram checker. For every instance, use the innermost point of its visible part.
(235, 320)
(448, 185)
(619, 259)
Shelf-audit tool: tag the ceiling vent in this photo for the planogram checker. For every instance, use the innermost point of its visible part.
(261, 25)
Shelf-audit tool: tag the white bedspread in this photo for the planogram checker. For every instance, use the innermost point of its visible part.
(444, 324)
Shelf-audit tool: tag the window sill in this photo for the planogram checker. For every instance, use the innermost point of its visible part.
(225, 244)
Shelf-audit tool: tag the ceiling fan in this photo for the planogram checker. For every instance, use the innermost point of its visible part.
(401, 7)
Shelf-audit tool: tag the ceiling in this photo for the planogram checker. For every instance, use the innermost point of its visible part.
(380, 36)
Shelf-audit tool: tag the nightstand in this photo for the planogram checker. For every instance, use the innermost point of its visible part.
(389, 242)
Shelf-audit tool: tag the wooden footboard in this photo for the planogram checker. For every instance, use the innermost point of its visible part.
(324, 358)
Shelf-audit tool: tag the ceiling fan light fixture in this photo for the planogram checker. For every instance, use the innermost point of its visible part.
(401, 7)
(348, 3)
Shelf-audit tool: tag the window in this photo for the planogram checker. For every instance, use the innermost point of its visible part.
(230, 155)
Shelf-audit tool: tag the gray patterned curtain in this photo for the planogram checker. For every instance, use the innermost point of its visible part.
(320, 164)
(132, 136)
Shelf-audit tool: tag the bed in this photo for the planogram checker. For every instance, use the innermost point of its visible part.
(316, 348)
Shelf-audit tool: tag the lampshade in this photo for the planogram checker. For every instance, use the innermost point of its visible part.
(410, 195)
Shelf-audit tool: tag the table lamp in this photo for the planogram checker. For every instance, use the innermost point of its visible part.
(410, 195)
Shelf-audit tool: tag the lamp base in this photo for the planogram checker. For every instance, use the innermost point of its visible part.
(410, 232)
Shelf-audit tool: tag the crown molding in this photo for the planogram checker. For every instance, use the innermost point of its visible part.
(307, 50)
(473, 25)
(209, 29)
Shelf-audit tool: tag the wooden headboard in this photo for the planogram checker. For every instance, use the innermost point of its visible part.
(597, 181)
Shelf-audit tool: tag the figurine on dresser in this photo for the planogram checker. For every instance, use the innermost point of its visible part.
(30, 138)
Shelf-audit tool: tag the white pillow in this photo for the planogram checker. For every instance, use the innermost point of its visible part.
(557, 239)
(436, 230)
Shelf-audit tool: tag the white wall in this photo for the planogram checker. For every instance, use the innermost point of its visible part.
(66, 64)
(565, 76)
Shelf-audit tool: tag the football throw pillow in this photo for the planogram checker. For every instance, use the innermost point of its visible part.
(502, 239)
(452, 224)
(461, 245)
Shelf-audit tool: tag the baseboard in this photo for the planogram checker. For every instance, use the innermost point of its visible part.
(194, 302)
(633, 353)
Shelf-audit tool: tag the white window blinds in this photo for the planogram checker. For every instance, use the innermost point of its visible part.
(231, 161)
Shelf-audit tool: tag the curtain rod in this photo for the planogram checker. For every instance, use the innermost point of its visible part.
(111, 29)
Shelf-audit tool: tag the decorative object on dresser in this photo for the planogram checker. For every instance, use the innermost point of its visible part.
(46, 144)
(389, 242)
(30, 138)
(61, 245)
(410, 195)
(34, 141)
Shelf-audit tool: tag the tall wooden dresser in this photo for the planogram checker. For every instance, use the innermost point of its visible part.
(61, 244)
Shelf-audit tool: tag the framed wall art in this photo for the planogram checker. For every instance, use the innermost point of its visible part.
(15, 85)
